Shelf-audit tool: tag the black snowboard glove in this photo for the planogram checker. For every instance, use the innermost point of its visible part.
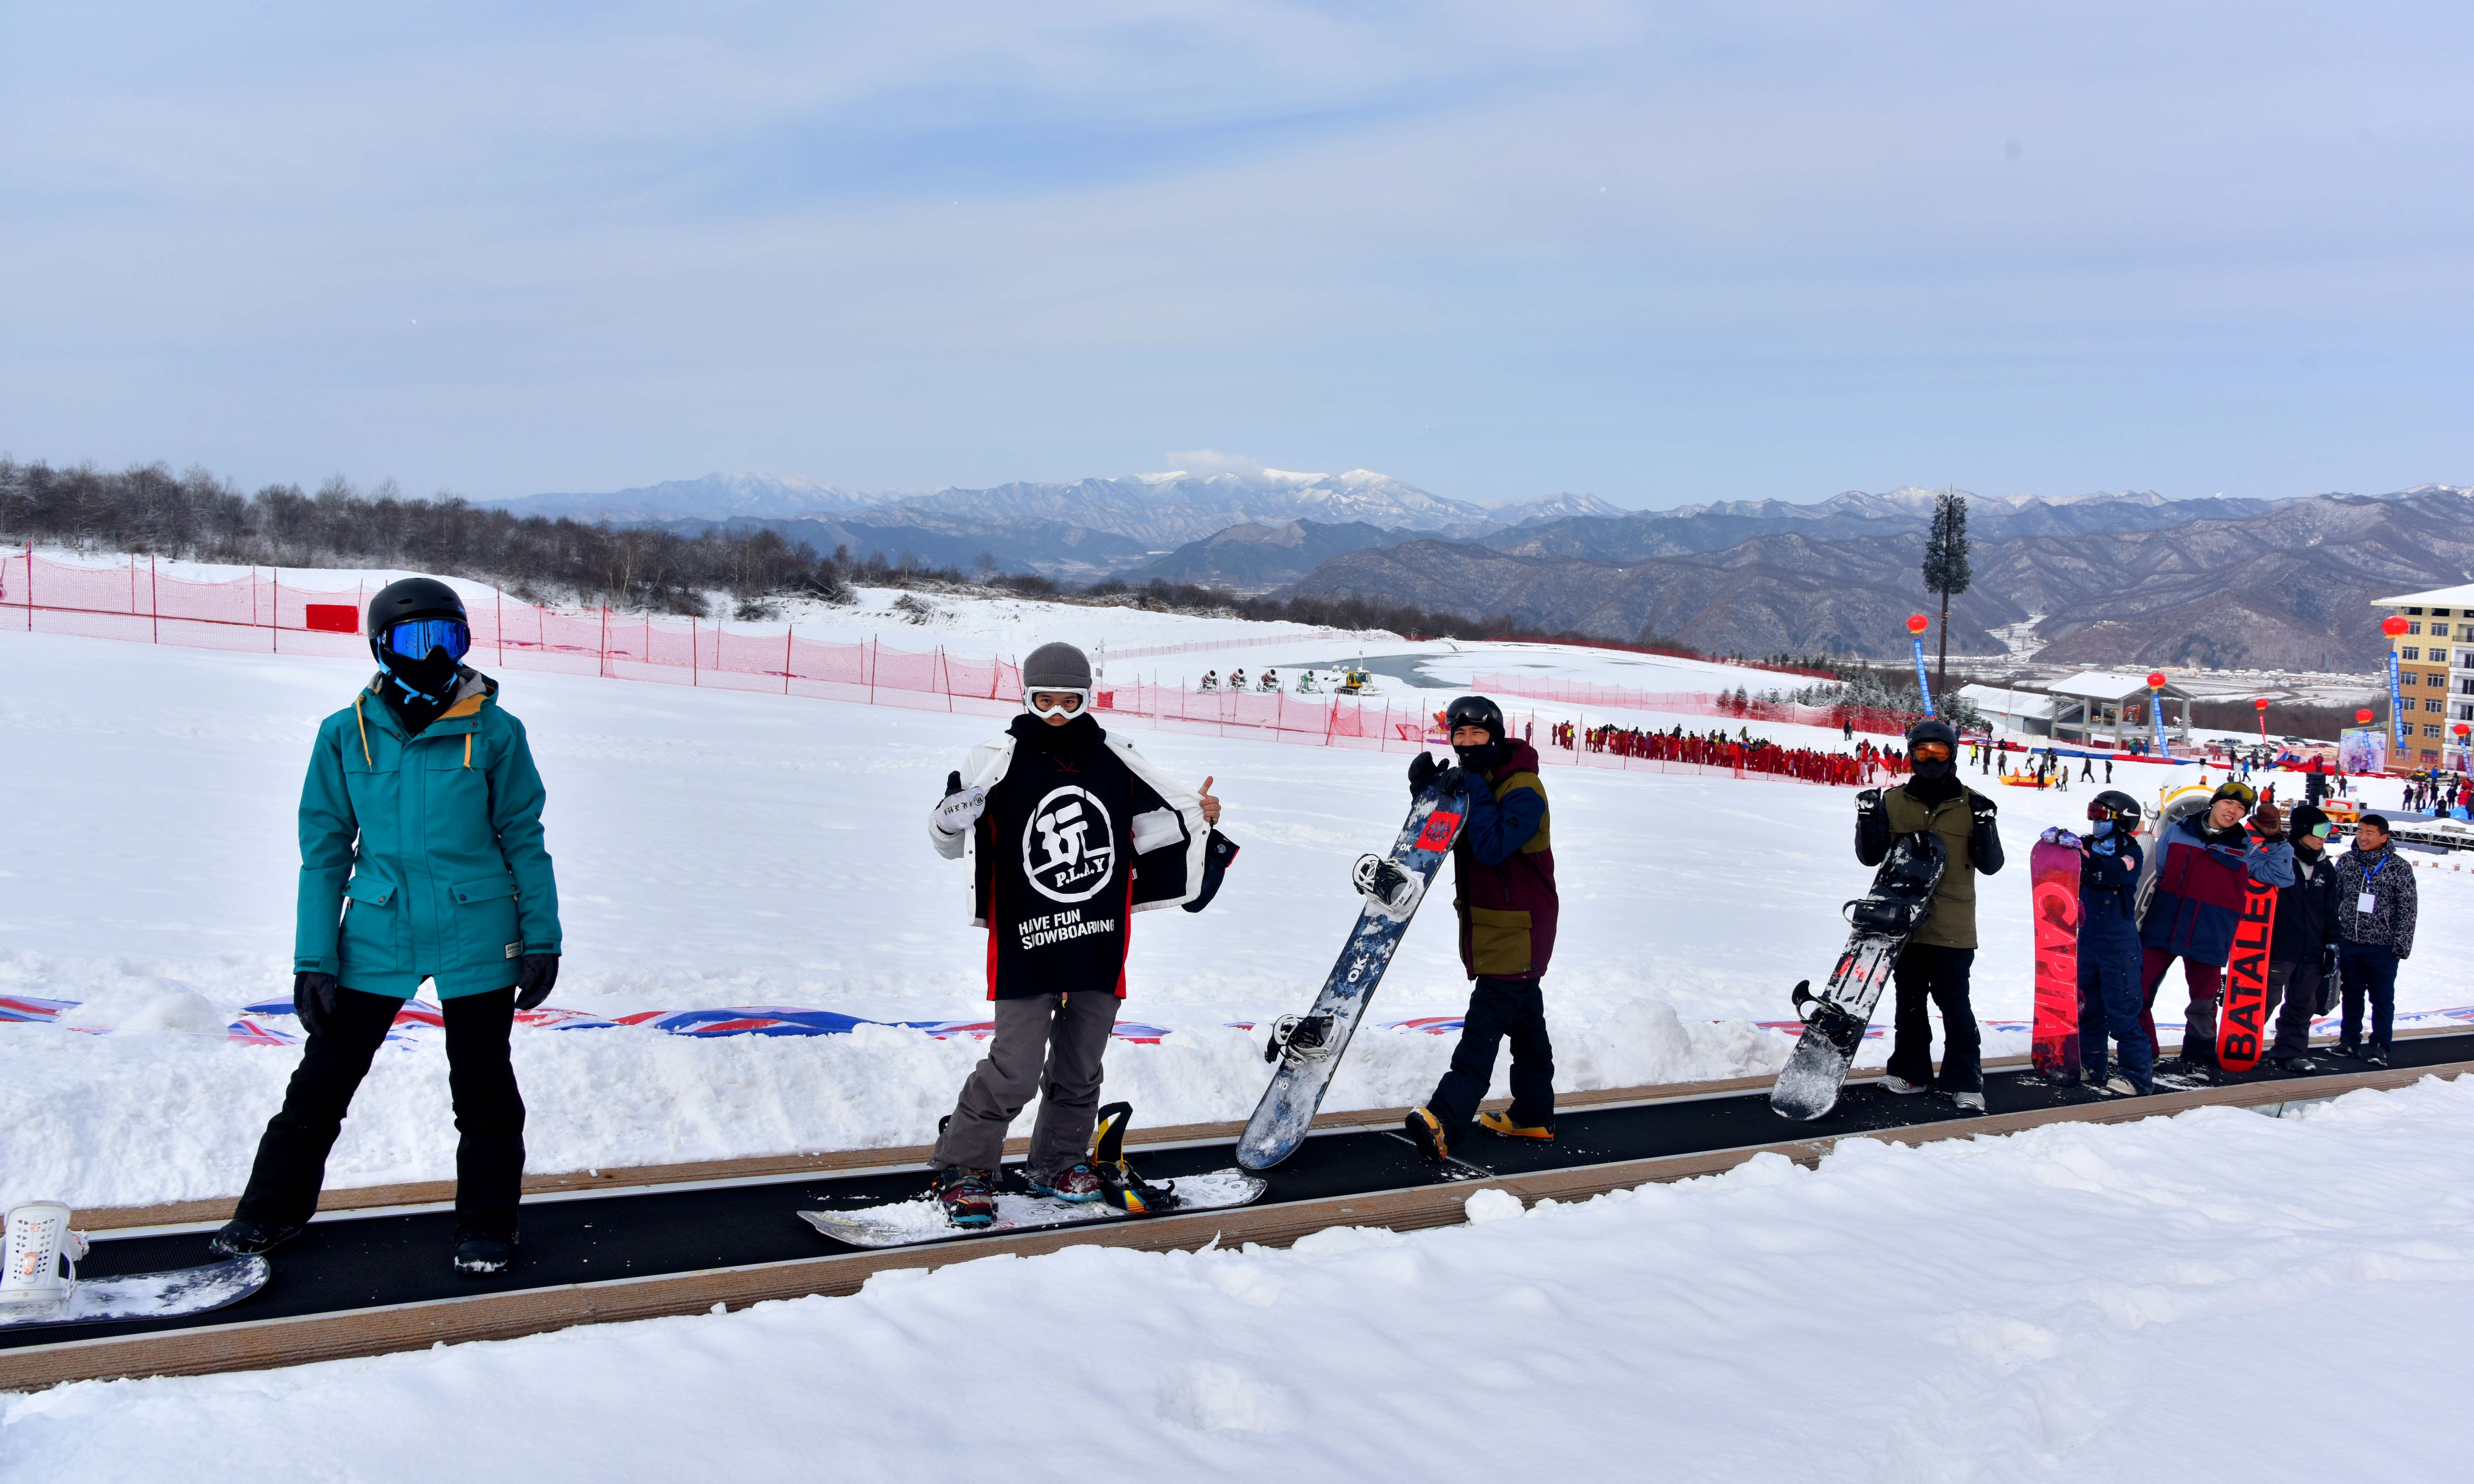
(534, 978)
(313, 1000)
(1872, 828)
(1455, 779)
(2327, 961)
(1423, 769)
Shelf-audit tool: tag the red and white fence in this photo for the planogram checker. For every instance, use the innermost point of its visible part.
(261, 612)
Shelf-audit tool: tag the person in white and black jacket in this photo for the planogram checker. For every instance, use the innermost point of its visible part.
(1068, 833)
(2375, 913)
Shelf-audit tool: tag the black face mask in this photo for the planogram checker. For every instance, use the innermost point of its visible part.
(1481, 758)
(417, 691)
(1940, 768)
(1072, 739)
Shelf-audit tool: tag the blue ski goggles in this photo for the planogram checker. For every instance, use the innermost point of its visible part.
(414, 638)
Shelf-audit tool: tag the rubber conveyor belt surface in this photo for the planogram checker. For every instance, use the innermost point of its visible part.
(345, 1262)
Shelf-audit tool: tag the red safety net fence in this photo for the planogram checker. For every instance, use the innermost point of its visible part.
(1689, 703)
(264, 613)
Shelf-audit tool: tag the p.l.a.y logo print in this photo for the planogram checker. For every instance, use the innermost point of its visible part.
(1067, 852)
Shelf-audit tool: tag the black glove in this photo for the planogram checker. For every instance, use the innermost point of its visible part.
(1868, 804)
(953, 782)
(2327, 961)
(1981, 809)
(313, 1000)
(534, 978)
(1454, 779)
(1423, 769)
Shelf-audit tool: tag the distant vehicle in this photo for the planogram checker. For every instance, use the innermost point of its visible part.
(1354, 681)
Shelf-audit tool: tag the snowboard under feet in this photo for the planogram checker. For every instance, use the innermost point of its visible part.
(169, 1295)
(1453, 1167)
(905, 1222)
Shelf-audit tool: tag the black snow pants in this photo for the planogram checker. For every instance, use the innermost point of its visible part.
(1929, 972)
(1497, 1008)
(489, 1111)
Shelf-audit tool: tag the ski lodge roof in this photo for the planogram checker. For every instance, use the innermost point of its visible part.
(2001, 701)
(2106, 685)
(2461, 596)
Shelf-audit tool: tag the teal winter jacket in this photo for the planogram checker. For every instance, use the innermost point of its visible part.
(422, 856)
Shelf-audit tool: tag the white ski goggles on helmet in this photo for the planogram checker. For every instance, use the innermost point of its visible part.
(1074, 702)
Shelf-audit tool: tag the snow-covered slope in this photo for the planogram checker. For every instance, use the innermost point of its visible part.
(2215, 1296)
(720, 849)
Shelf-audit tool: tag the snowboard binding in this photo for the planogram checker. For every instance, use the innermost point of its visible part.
(1119, 1185)
(1391, 890)
(1299, 1038)
(41, 1260)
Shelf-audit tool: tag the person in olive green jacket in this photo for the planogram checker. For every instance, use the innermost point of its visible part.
(1936, 963)
(421, 859)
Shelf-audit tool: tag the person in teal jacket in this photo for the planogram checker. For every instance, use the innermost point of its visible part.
(421, 859)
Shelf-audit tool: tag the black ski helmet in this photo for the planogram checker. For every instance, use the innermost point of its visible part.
(410, 598)
(1474, 711)
(2117, 806)
(1933, 729)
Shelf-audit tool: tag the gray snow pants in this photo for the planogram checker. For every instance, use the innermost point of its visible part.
(1045, 1043)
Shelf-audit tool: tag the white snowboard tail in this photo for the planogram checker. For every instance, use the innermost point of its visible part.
(171, 1295)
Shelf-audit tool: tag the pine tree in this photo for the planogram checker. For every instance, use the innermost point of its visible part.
(1946, 569)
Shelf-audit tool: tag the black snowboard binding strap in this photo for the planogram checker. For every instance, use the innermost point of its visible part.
(1119, 1185)
(1300, 1037)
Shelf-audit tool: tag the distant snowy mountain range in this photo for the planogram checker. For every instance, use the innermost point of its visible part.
(1161, 509)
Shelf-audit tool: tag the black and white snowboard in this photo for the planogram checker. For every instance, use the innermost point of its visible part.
(1308, 1047)
(168, 1295)
(1883, 918)
(905, 1222)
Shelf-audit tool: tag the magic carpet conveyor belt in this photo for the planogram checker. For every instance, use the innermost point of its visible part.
(362, 1282)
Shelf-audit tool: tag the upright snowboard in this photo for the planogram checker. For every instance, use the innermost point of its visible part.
(903, 1223)
(2241, 1020)
(2053, 886)
(1308, 1047)
(1883, 918)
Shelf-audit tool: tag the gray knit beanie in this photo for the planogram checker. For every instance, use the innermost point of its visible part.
(1056, 667)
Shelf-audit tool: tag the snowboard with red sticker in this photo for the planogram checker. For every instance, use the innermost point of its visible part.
(2243, 1018)
(2053, 886)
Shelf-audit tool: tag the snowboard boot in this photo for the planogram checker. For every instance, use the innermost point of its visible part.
(1426, 1132)
(1077, 1184)
(968, 1196)
(2294, 1066)
(480, 1252)
(2119, 1086)
(1501, 1123)
(1969, 1101)
(1891, 1081)
(241, 1237)
(2375, 1055)
(2347, 1050)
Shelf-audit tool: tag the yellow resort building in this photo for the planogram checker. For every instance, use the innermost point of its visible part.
(2435, 658)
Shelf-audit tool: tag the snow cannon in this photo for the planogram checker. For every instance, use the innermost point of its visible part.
(2393, 625)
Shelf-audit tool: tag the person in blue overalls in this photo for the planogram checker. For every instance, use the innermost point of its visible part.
(2109, 988)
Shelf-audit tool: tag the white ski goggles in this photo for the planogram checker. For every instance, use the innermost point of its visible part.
(1076, 702)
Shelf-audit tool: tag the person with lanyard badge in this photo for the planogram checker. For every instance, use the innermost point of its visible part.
(2375, 916)
(422, 859)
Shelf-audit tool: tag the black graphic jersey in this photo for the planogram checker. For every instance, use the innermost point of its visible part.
(1057, 852)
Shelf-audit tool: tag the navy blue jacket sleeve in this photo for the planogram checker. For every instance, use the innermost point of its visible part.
(1496, 829)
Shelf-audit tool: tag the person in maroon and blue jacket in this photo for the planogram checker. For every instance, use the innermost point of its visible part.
(1503, 872)
(2204, 859)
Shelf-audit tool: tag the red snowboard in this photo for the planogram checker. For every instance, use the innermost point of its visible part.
(2054, 888)
(2243, 1015)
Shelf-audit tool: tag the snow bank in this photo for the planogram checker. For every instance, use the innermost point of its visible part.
(2254, 1297)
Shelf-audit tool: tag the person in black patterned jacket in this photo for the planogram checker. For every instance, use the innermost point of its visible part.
(2375, 913)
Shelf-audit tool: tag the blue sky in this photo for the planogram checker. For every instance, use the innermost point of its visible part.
(1656, 253)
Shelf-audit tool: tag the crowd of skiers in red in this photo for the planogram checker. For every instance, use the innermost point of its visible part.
(1742, 752)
